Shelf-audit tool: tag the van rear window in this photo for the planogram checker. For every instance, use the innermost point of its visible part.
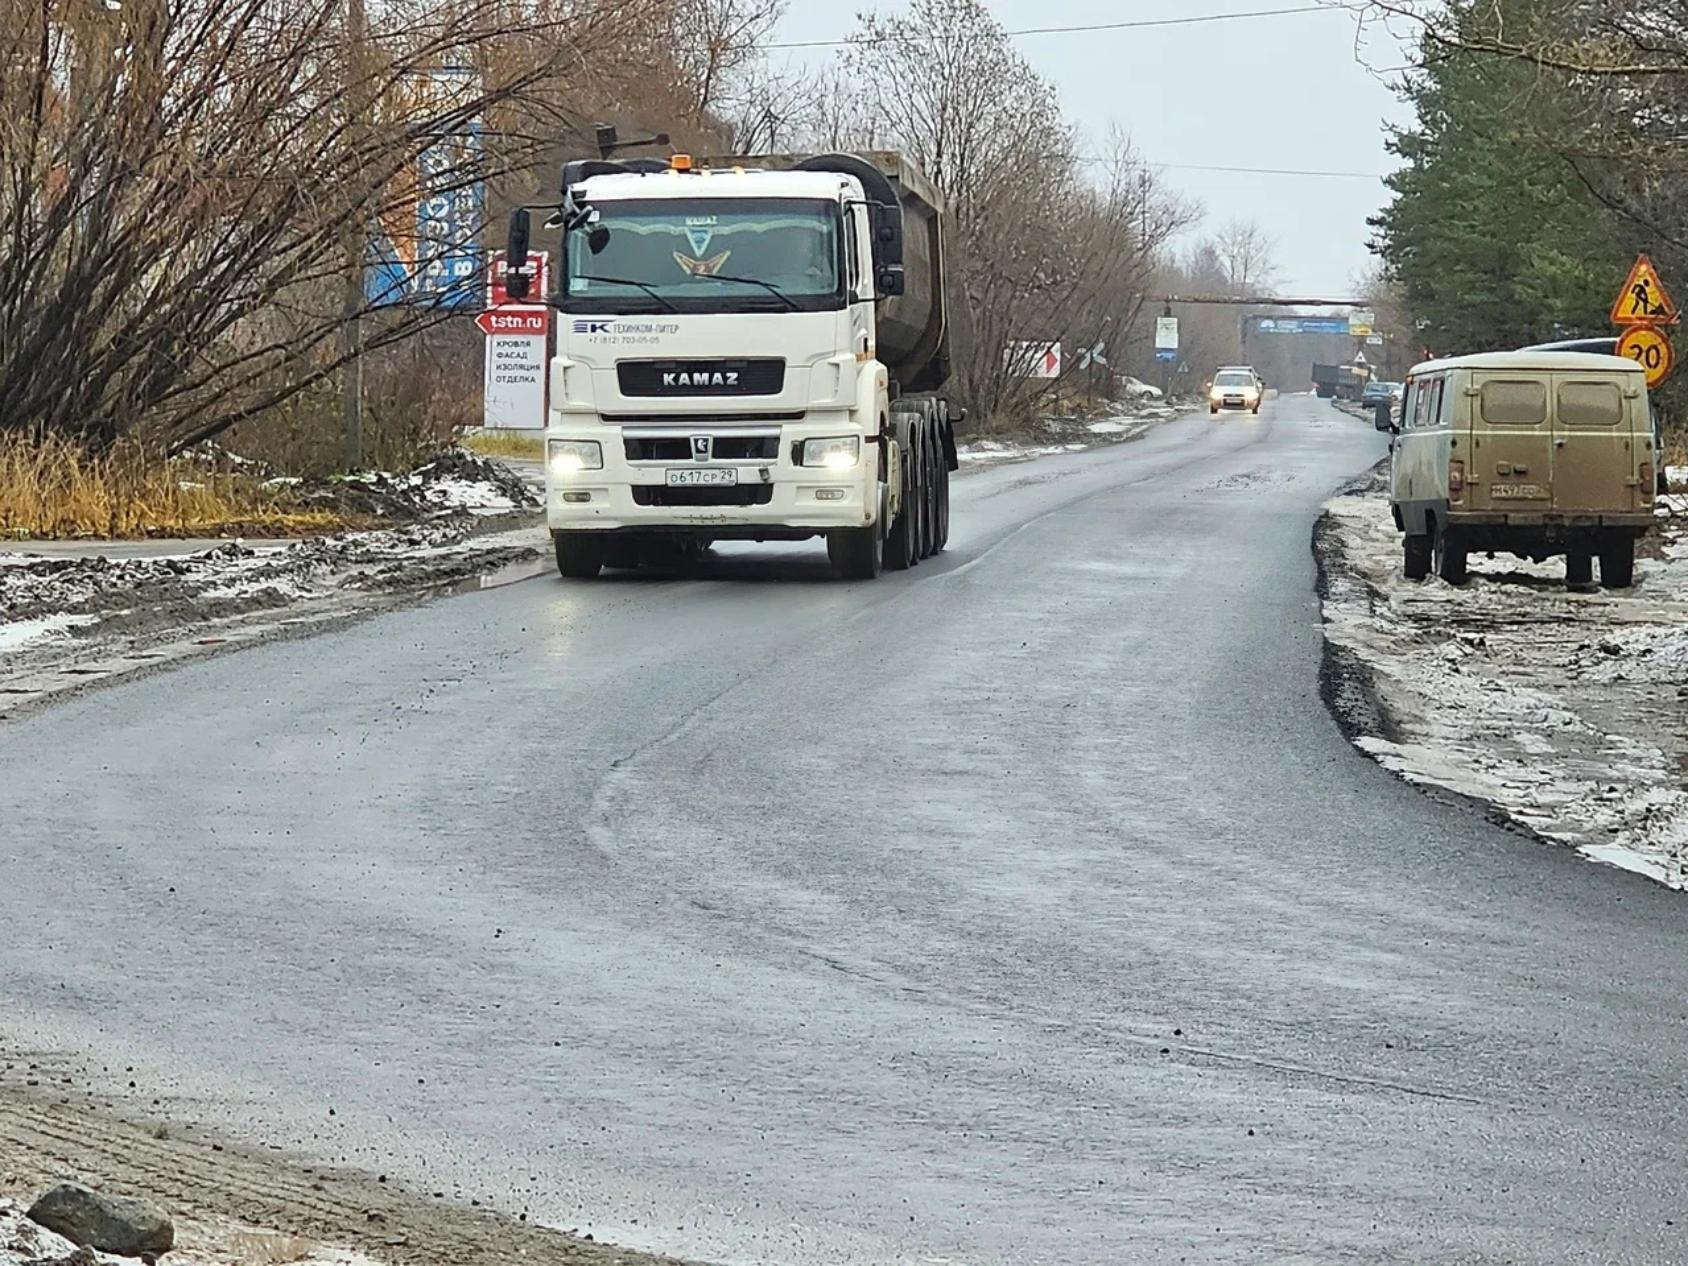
(1514, 401)
(1590, 404)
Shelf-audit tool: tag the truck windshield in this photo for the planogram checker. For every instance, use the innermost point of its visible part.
(715, 255)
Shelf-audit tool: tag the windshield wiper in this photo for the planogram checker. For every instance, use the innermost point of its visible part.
(757, 281)
(645, 286)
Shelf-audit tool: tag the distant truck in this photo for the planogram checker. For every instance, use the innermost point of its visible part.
(751, 350)
(1325, 379)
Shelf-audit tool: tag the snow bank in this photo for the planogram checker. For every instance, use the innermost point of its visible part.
(1566, 710)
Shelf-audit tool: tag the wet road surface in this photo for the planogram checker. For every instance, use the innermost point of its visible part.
(1028, 907)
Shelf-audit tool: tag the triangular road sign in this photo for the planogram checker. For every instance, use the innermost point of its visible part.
(1360, 358)
(1644, 299)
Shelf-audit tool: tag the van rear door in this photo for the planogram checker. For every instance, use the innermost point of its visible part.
(1512, 442)
(1593, 449)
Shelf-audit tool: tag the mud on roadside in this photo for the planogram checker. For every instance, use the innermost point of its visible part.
(69, 623)
(1564, 712)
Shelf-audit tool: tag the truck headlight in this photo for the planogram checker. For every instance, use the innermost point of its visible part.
(838, 452)
(565, 457)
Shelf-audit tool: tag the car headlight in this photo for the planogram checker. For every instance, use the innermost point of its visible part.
(836, 452)
(565, 457)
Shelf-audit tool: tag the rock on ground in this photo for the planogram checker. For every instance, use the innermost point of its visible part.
(112, 1224)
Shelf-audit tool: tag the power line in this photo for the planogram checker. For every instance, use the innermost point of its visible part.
(855, 41)
(1248, 171)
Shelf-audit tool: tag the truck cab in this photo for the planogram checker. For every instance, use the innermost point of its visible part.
(719, 373)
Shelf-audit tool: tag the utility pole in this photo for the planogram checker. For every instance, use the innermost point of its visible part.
(355, 243)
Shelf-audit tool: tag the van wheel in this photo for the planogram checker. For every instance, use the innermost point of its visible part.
(1213, 408)
(1579, 570)
(1416, 562)
(1617, 563)
(580, 555)
(1450, 557)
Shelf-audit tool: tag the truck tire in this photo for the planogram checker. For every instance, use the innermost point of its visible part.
(943, 500)
(856, 553)
(1617, 563)
(1415, 563)
(899, 538)
(580, 555)
(929, 502)
(1450, 557)
(624, 552)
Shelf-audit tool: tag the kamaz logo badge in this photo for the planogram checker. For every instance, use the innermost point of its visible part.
(592, 327)
(700, 378)
(701, 447)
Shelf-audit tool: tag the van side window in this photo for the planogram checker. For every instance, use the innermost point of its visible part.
(1409, 402)
(1590, 404)
(1514, 401)
(1423, 410)
(1445, 396)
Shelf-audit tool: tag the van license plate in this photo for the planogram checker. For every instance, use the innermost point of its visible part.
(1521, 492)
(702, 477)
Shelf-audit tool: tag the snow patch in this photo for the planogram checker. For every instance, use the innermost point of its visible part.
(17, 633)
(1564, 709)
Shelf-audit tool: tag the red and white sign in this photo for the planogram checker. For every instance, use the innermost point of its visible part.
(539, 274)
(535, 321)
(1033, 360)
(515, 382)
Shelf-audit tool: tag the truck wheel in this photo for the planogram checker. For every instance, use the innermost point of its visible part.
(1617, 563)
(929, 487)
(856, 553)
(580, 555)
(899, 540)
(1416, 562)
(1212, 409)
(1579, 570)
(942, 473)
(624, 552)
(1450, 557)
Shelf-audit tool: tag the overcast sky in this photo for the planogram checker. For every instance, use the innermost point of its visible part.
(1291, 91)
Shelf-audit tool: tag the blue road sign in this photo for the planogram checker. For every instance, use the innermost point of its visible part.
(1301, 325)
(1166, 353)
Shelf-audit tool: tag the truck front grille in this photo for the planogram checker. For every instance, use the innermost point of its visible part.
(741, 495)
(678, 448)
(700, 377)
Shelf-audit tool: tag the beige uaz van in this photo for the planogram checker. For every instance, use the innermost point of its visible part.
(1528, 453)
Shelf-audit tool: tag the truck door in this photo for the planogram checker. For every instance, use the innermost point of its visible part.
(1511, 442)
(1593, 450)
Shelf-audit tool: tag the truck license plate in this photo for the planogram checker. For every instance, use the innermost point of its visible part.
(702, 477)
(1526, 492)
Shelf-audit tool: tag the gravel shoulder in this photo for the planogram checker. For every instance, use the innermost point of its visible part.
(1563, 712)
(235, 1207)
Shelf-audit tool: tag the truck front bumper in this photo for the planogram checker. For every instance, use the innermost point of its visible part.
(770, 497)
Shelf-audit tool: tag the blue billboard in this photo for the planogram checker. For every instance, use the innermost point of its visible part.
(426, 245)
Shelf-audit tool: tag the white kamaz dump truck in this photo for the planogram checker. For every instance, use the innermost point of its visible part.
(748, 350)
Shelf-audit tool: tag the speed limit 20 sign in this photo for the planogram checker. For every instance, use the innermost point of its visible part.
(1649, 347)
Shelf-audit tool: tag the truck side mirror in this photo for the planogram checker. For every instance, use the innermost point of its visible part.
(516, 254)
(1383, 416)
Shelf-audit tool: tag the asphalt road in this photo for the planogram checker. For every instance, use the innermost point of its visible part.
(1026, 908)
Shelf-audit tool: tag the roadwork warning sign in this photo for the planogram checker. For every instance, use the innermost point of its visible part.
(1643, 299)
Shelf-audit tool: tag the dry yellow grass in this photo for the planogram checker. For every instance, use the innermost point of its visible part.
(55, 488)
(505, 444)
